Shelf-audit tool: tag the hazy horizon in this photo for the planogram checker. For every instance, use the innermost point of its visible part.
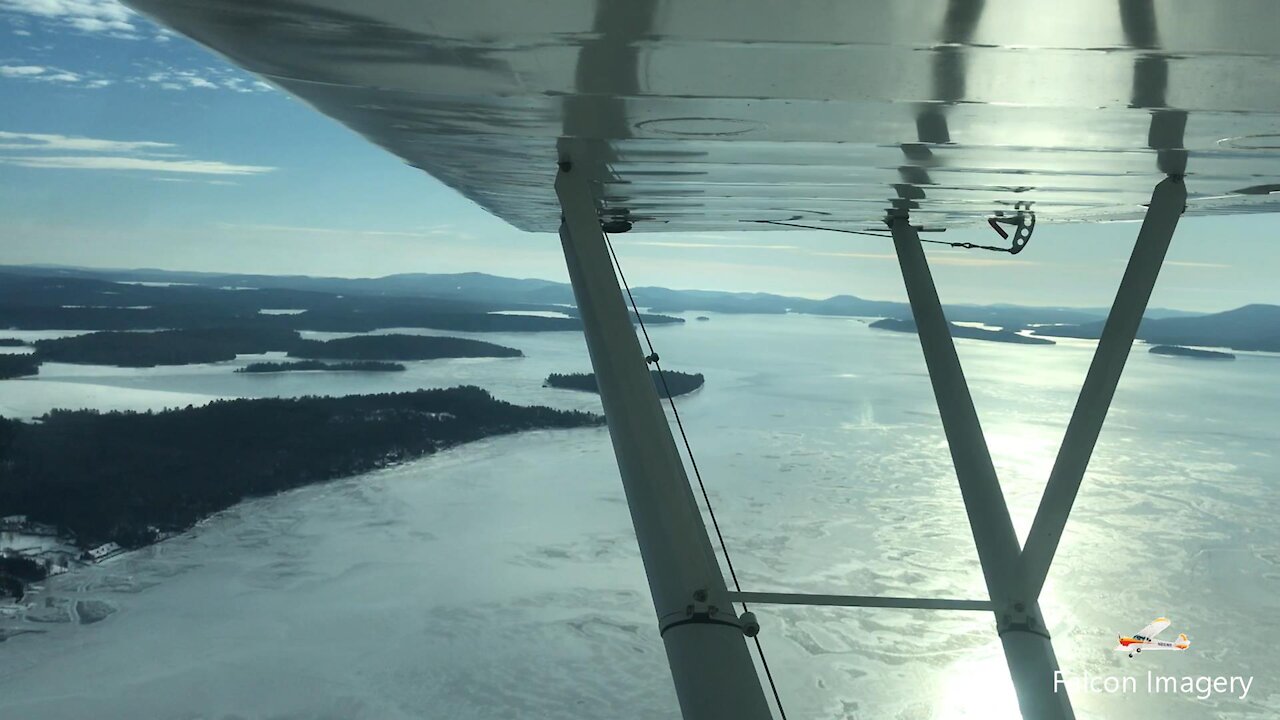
(901, 297)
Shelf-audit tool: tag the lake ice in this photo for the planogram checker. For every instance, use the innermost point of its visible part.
(501, 579)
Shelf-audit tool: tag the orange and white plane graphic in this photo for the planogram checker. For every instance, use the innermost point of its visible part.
(1146, 639)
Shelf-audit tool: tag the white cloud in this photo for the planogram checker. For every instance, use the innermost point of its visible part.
(113, 162)
(208, 78)
(110, 18)
(245, 85)
(40, 73)
(189, 180)
(12, 71)
(62, 152)
(42, 141)
(937, 257)
(294, 229)
(859, 255)
(88, 16)
(979, 259)
(1190, 264)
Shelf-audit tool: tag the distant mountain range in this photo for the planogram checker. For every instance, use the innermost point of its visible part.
(1253, 327)
(474, 287)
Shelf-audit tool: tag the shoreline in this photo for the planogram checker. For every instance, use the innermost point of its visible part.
(74, 612)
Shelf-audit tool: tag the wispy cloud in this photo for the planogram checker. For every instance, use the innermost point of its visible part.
(74, 19)
(942, 257)
(986, 259)
(12, 71)
(87, 16)
(167, 78)
(859, 255)
(208, 78)
(54, 75)
(146, 156)
(1203, 265)
(193, 180)
(296, 229)
(111, 162)
(43, 141)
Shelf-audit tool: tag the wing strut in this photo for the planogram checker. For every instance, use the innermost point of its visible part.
(711, 665)
(1015, 576)
(1027, 647)
(1167, 203)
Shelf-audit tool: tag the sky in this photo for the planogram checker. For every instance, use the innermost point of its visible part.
(124, 145)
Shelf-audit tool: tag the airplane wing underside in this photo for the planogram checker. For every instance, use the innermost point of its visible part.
(710, 115)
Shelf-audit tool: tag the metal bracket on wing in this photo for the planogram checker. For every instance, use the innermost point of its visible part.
(1023, 222)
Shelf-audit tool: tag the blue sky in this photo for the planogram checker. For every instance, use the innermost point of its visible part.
(123, 145)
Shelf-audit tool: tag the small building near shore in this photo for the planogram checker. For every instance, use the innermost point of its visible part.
(102, 552)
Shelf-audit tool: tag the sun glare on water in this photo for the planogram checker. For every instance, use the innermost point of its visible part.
(978, 686)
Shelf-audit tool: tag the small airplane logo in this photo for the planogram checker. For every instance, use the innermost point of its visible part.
(1145, 639)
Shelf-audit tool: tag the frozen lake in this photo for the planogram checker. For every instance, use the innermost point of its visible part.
(501, 579)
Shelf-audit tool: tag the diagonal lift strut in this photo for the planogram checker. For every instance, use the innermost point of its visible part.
(1015, 576)
(1167, 203)
(714, 675)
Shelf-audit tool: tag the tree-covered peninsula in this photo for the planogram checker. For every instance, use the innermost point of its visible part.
(678, 382)
(121, 476)
(398, 347)
(18, 365)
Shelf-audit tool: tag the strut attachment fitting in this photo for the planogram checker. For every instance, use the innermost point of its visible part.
(1023, 222)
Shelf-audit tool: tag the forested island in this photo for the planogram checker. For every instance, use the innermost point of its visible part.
(1179, 351)
(11, 342)
(15, 365)
(123, 476)
(678, 382)
(964, 331)
(398, 347)
(165, 347)
(209, 345)
(304, 365)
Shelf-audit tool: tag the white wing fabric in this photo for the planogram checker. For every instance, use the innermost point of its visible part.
(1156, 627)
